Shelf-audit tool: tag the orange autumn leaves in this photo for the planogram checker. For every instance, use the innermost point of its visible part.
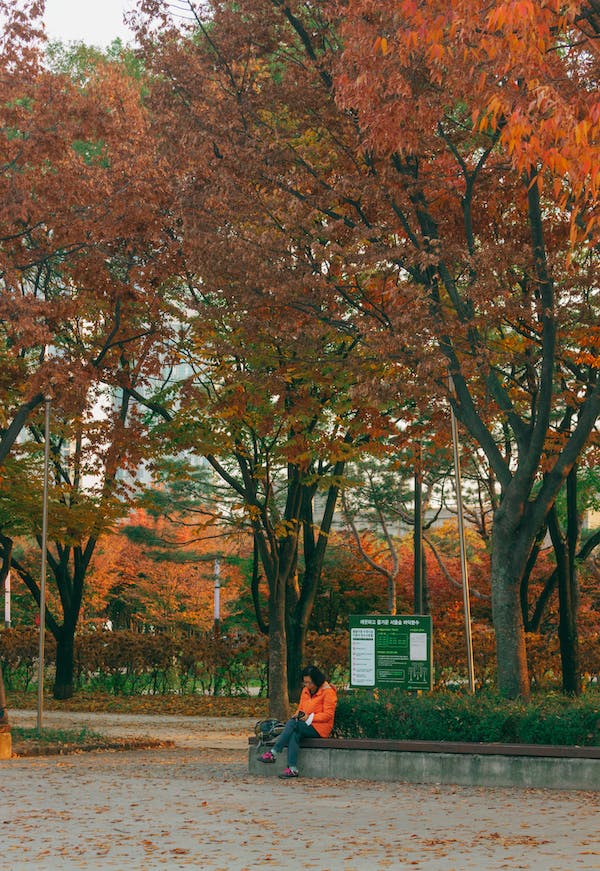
(167, 587)
(525, 69)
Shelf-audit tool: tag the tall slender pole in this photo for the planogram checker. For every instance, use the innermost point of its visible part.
(463, 549)
(418, 541)
(217, 598)
(40, 708)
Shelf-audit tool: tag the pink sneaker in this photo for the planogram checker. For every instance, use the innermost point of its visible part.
(289, 772)
(267, 757)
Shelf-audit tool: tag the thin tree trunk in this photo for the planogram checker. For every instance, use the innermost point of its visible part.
(571, 664)
(568, 632)
(565, 549)
(254, 587)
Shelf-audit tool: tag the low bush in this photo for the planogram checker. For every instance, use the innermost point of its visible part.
(19, 651)
(484, 717)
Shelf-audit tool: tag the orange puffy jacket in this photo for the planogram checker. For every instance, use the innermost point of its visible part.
(322, 705)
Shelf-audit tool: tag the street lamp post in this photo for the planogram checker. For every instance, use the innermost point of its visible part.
(418, 597)
(40, 707)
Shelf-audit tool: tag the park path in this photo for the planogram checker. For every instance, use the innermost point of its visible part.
(195, 806)
(225, 732)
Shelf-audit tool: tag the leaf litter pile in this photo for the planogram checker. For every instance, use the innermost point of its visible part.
(183, 705)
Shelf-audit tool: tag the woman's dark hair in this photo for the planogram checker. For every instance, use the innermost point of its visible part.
(315, 674)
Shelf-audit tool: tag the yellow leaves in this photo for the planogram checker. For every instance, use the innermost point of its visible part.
(251, 511)
(286, 529)
(581, 132)
(381, 44)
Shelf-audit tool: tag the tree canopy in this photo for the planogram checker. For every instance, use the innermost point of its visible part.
(296, 233)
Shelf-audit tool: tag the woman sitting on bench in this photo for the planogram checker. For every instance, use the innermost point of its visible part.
(313, 719)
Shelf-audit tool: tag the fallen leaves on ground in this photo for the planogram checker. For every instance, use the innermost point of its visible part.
(184, 705)
(29, 742)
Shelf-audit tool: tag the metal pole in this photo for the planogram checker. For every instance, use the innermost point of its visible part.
(463, 550)
(7, 600)
(418, 541)
(217, 598)
(40, 708)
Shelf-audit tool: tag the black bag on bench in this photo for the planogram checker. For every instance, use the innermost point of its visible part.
(267, 732)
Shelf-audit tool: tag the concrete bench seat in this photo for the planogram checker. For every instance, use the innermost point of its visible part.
(465, 763)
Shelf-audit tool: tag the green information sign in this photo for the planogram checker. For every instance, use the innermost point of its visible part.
(391, 651)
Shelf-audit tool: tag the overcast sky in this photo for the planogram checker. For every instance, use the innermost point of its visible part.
(96, 22)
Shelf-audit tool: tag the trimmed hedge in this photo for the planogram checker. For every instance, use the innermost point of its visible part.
(128, 663)
(125, 662)
(484, 717)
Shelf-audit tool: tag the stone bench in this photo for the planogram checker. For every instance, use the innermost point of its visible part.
(467, 764)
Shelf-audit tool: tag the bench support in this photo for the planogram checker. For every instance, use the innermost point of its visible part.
(466, 765)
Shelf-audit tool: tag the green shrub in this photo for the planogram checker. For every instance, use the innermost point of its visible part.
(484, 717)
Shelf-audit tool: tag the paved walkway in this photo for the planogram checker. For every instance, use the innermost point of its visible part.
(195, 806)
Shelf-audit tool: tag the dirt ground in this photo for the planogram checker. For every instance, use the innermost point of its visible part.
(184, 731)
(194, 805)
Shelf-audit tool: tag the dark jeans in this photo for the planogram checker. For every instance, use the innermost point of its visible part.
(293, 731)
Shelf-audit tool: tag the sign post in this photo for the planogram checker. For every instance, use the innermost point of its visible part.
(391, 651)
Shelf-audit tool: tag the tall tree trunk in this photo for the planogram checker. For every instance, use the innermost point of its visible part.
(70, 585)
(278, 679)
(301, 596)
(296, 653)
(65, 663)
(511, 650)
